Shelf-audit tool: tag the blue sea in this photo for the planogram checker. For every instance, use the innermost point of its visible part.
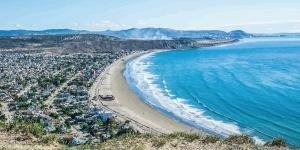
(250, 87)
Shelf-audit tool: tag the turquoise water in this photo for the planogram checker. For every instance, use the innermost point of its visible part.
(250, 87)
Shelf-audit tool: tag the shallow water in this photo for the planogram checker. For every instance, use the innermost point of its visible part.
(249, 87)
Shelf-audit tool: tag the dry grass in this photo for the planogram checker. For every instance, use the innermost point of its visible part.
(136, 141)
(49, 139)
(239, 139)
(178, 141)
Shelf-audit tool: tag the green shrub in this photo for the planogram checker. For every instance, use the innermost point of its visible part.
(239, 139)
(173, 135)
(146, 135)
(279, 142)
(158, 142)
(129, 131)
(2, 124)
(49, 139)
(27, 127)
(2, 117)
(84, 126)
(210, 139)
(60, 128)
(89, 146)
(68, 123)
(190, 137)
(67, 139)
(112, 123)
(66, 110)
(54, 115)
(99, 122)
(36, 129)
(33, 89)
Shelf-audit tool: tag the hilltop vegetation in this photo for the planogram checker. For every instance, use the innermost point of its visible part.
(181, 141)
(150, 141)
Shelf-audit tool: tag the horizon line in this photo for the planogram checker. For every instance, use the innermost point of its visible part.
(23, 29)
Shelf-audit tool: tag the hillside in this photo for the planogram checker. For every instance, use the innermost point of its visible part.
(178, 141)
(43, 32)
(93, 43)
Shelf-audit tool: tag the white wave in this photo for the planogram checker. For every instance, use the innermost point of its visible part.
(258, 140)
(142, 81)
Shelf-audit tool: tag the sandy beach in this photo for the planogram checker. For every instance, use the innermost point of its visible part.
(127, 105)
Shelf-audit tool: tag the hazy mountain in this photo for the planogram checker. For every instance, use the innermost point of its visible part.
(91, 43)
(43, 32)
(277, 35)
(144, 33)
(165, 33)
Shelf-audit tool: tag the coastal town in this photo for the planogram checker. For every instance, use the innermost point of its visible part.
(49, 89)
(53, 91)
(46, 91)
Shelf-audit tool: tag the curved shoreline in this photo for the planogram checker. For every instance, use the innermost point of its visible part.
(140, 80)
(128, 105)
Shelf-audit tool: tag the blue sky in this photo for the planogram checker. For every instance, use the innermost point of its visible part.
(253, 16)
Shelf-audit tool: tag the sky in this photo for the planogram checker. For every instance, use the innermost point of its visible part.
(255, 16)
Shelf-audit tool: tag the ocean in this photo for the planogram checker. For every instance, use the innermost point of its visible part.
(250, 87)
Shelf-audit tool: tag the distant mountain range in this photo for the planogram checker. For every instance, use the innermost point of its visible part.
(43, 32)
(143, 33)
(277, 35)
(165, 33)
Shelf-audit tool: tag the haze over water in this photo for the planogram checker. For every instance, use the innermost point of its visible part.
(250, 87)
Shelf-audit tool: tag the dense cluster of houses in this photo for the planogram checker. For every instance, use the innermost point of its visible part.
(54, 89)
